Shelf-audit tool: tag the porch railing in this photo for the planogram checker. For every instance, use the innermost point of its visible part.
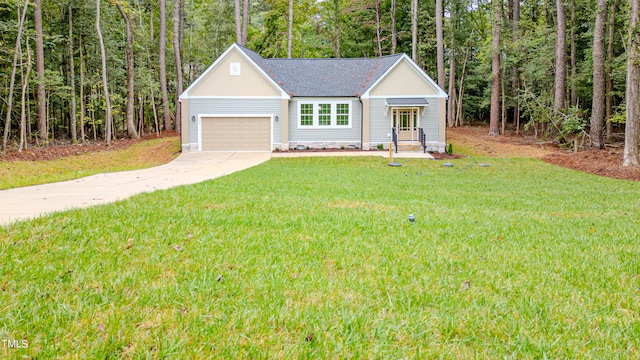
(423, 139)
(394, 138)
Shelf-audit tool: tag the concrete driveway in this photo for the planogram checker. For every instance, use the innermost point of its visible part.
(188, 168)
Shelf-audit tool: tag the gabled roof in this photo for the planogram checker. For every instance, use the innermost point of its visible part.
(324, 77)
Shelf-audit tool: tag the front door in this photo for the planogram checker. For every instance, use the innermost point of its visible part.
(405, 121)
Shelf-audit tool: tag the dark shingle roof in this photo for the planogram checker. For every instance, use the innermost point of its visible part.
(324, 77)
(407, 102)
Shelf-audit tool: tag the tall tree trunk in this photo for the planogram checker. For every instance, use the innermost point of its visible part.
(238, 21)
(378, 39)
(40, 94)
(82, 110)
(515, 69)
(290, 39)
(12, 81)
(560, 82)
(574, 97)
(177, 21)
(494, 114)
(338, 20)
(440, 44)
(130, 114)
(630, 157)
(607, 74)
(394, 31)
(597, 105)
(245, 21)
(414, 30)
(23, 116)
(451, 109)
(72, 78)
(162, 65)
(105, 85)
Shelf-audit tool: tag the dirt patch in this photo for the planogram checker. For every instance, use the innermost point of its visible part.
(607, 162)
(61, 148)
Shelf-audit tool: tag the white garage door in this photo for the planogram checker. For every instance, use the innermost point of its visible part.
(236, 133)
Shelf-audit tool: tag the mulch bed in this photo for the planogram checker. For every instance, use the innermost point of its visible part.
(61, 148)
(600, 162)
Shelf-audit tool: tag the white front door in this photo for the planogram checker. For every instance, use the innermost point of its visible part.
(405, 121)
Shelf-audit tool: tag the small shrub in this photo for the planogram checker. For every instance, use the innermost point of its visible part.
(380, 147)
(308, 148)
(450, 149)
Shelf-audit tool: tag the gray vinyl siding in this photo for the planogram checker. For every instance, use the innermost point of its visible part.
(329, 135)
(234, 107)
(429, 121)
(380, 124)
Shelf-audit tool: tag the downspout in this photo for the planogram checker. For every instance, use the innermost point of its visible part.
(361, 123)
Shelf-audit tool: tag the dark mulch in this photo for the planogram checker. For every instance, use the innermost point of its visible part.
(600, 162)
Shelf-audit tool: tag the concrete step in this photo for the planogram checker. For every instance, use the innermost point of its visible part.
(409, 146)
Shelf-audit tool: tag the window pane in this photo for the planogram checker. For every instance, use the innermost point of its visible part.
(306, 114)
(342, 114)
(324, 117)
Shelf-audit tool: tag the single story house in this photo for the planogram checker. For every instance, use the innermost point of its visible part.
(244, 102)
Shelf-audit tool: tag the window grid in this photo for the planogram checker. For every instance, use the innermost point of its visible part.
(324, 117)
(306, 114)
(342, 114)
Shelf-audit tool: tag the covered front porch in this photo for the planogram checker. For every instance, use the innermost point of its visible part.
(406, 132)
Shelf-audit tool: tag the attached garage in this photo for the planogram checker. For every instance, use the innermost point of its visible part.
(235, 133)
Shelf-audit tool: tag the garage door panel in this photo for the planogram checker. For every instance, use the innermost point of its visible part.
(236, 133)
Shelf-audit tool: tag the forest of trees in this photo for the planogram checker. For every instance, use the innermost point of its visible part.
(77, 69)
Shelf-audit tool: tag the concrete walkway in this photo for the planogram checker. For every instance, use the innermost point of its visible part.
(188, 168)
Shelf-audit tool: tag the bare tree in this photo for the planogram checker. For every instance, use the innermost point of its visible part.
(440, 44)
(105, 85)
(414, 30)
(129, 114)
(597, 105)
(394, 31)
(561, 58)
(16, 53)
(72, 78)
(245, 21)
(378, 39)
(608, 112)
(238, 22)
(515, 69)
(177, 21)
(336, 9)
(494, 114)
(630, 157)
(23, 116)
(162, 65)
(290, 39)
(40, 93)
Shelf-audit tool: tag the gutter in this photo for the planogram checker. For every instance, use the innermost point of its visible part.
(361, 123)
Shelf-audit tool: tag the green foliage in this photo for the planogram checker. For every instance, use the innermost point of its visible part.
(574, 122)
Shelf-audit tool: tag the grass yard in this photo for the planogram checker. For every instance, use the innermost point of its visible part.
(316, 258)
(138, 156)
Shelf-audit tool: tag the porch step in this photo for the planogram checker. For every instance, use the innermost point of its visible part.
(409, 146)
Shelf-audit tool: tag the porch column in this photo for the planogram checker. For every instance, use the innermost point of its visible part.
(284, 124)
(365, 124)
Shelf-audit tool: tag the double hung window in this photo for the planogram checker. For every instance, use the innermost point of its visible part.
(324, 114)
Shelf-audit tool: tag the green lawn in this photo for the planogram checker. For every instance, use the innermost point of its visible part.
(144, 154)
(316, 258)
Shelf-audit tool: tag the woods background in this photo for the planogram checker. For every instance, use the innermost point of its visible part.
(75, 70)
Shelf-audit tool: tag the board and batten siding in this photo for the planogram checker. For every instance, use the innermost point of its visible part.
(212, 106)
(353, 134)
(380, 124)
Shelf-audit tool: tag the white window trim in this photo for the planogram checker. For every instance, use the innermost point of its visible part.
(316, 115)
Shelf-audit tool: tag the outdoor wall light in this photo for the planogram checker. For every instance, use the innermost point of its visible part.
(276, 118)
(193, 118)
